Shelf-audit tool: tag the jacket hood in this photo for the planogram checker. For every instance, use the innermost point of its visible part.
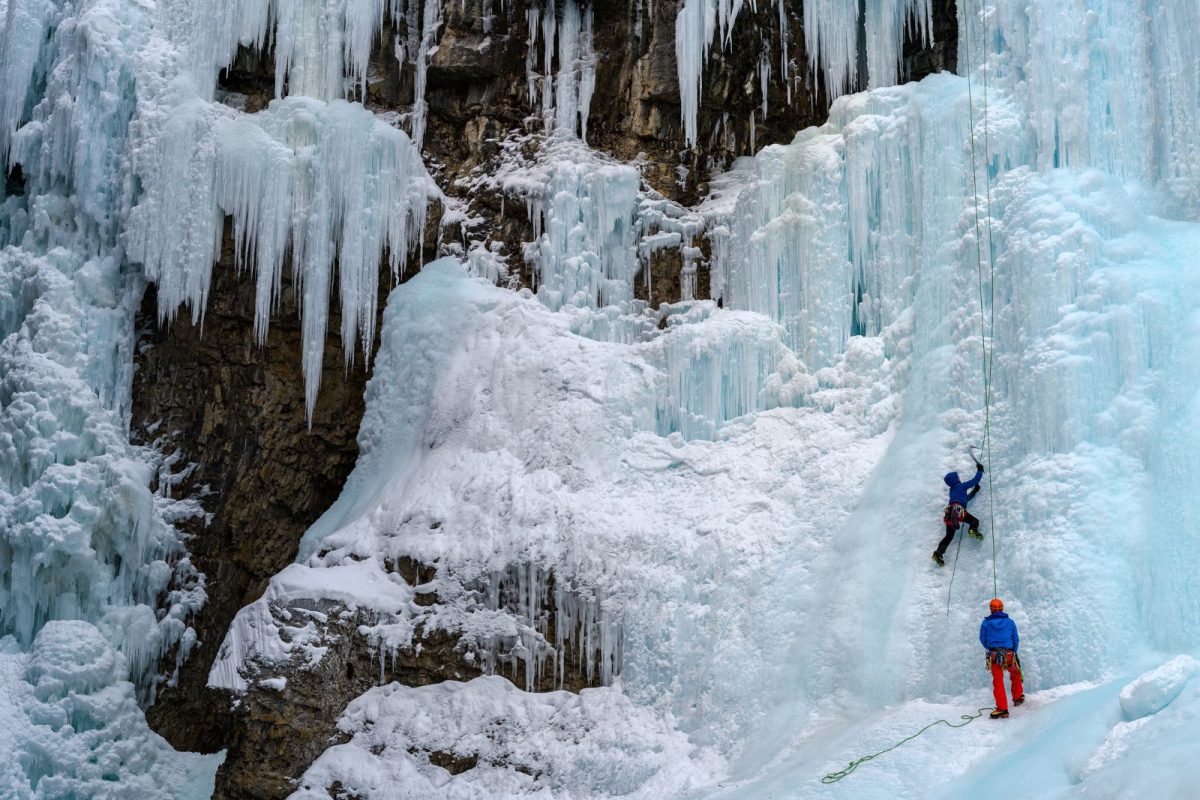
(951, 479)
(997, 615)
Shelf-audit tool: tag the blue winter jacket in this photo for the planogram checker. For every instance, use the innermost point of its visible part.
(959, 489)
(998, 630)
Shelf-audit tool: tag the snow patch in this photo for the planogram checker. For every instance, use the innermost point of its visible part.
(511, 743)
(1158, 688)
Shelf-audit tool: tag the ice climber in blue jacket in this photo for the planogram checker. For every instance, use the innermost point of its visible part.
(961, 493)
(998, 635)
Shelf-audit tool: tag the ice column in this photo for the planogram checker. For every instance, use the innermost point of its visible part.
(582, 207)
(564, 88)
(431, 21)
(830, 35)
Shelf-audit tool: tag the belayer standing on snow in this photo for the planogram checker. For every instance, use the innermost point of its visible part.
(998, 635)
(956, 512)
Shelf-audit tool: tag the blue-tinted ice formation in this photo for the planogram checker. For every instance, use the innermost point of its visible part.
(124, 168)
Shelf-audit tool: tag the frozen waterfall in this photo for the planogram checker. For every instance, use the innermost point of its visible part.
(723, 508)
(754, 489)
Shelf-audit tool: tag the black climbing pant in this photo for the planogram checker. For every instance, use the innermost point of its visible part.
(952, 527)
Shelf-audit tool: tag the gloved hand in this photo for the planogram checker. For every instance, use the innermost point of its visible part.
(978, 466)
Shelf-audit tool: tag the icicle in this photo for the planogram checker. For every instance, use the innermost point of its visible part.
(533, 16)
(430, 23)
(566, 93)
(784, 61)
(587, 72)
(549, 30)
(831, 40)
(764, 80)
(694, 26)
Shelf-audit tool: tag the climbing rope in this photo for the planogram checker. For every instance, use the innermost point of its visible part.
(834, 777)
(953, 571)
(985, 318)
(987, 333)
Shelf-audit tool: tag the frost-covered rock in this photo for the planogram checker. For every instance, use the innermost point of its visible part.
(486, 738)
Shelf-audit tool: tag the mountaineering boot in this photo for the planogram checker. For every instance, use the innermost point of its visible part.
(998, 714)
(1019, 700)
(975, 534)
(938, 559)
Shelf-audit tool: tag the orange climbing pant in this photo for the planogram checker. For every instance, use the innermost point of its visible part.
(1008, 662)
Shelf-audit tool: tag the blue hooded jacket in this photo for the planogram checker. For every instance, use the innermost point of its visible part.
(997, 630)
(959, 490)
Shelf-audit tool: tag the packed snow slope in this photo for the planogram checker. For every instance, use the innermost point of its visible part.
(738, 502)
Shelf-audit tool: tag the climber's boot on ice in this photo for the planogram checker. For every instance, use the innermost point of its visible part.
(937, 558)
(975, 534)
(998, 714)
(1019, 700)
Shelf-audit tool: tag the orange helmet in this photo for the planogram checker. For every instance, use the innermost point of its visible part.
(996, 605)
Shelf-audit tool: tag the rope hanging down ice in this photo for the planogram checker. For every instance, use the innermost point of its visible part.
(987, 332)
(986, 315)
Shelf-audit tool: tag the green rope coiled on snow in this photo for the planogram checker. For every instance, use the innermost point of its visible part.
(834, 777)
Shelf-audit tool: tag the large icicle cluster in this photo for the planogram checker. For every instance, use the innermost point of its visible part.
(563, 89)
(313, 180)
(313, 183)
(321, 48)
(831, 37)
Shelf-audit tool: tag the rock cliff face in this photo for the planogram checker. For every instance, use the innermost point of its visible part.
(236, 409)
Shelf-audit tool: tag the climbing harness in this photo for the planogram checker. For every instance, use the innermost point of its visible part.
(954, 515)
(834, 777)
(1000, 657)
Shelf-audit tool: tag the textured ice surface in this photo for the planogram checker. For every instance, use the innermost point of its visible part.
(81, 536)
(73, 728)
